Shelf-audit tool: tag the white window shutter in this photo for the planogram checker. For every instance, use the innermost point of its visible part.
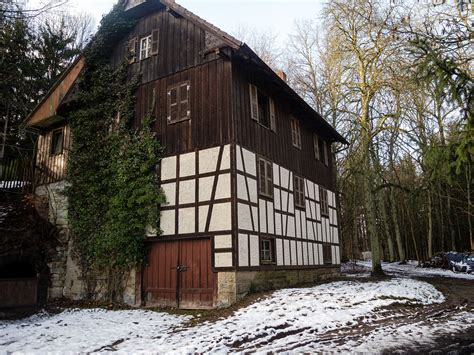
(253, 102)
(272, 115)
(155, 42)
(132, 50)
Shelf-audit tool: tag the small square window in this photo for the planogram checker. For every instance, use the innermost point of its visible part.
(323, 194)
(295, 133)
(327, 254)
(265, 174)
(267, 250)
(57, 142)
(145, 47)
(298, 187)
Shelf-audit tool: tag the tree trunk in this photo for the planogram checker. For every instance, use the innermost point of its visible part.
(396, 225)
(388, 235)
(430, 225)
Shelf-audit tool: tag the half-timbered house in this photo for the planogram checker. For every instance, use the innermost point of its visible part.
(247, 170)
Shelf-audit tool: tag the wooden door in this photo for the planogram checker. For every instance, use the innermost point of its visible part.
(179, 274)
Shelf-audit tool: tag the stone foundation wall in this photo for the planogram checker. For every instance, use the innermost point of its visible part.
(233, 286)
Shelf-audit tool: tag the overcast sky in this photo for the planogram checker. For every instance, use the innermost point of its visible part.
(276, 15)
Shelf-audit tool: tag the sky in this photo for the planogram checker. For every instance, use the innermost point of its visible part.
(278, 16)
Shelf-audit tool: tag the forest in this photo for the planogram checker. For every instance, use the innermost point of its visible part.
(393, 77)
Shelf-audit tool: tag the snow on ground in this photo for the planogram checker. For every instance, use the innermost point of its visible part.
(410, 269)
(300, 319)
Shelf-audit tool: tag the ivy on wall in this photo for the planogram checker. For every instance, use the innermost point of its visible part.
(112, 182)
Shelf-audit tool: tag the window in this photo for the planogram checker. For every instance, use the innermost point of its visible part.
(298, 184)
(327, 254)
(178, 102)
(323, 194)
(57, 142)
(295, 133)
(267, 250)
(262, 108)
(265, 172)
(323, 152)
(316, 147)
(145, 47)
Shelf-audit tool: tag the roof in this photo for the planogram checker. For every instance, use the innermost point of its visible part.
(240, 48)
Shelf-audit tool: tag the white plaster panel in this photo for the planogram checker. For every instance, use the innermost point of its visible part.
(283, 225)
(241, 188)
(323, 232)
(309, 225)
(316, 192)
(223, 186)
(170, 192)
(255, 217)
(334, 219)
(284, 177)
(208, 160)
(328, 230)
(262, 215)
(187, 164)
(238, 150)
(222, 241)
(243, 250)
(284, 201)
(221, 217)
(318, 211)
(309, 188)
(291, 181)
(305, 253)
(168, 168)
(253, 190)
(225, 162)
(333, 254)
(279, 251)
(291, 204)
(303, 225)
(278, 224)
(320, 232)
(298, 223)
(311, 253)
(222, 259)
(250, 162)
(186, 220)
(312, 206)
(331, 216)
(320, 253)
(338, 255)
(270, 218)
(203, 211)
(316, 254)
(276, 198)
(167, 222)
(291, 226)
(307, 206)
(276, 174)
(254, 251)
(332, 199)
(336, 235)
(286, 251)
(205, 188)
(293, 252)
(299, 248)
(187, 191)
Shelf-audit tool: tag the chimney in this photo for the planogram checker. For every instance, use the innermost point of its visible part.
(281, 74)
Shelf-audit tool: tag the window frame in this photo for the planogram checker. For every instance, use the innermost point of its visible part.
(266, 191)
(317, 153)
(295, 133)
(324, 201)
(148, 40)
(179, 102)
(298, 195)
(271, 250)
(255, 93)
(327, 254)
(53, 152)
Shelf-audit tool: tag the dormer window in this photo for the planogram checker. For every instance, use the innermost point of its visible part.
(145, 47)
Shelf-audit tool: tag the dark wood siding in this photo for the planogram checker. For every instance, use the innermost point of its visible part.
(210, 95)
(276, 146)
(181, 46)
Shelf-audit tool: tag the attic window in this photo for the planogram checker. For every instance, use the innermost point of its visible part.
(145, 47)
(295, 133)
(179, 108)
(57, 142)
(262, 108)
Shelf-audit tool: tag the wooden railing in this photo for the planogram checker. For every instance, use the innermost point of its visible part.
(16, 174)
